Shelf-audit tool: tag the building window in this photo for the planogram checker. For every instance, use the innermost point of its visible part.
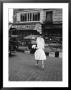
(36, 16)
(49, 17)
(23, 17)
(30, 17)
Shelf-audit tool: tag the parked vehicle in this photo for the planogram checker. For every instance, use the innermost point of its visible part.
(13, 45)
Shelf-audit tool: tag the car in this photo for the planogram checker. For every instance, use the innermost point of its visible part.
(13, 45)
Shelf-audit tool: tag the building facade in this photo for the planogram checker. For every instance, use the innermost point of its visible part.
(35, 21)
(32, 19)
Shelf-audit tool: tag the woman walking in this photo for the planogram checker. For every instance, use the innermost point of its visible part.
(39, 53)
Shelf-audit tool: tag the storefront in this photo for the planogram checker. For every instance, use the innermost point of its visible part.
(32, 21)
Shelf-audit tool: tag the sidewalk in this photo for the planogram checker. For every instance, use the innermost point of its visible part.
(22, 68)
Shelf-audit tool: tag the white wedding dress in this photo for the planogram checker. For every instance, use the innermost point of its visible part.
(40, 54)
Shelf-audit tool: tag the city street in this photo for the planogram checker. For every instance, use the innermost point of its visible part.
(22, 68)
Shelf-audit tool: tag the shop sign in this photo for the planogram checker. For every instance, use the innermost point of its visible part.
(24, 27)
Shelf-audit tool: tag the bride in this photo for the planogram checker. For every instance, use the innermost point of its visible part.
(39, 53)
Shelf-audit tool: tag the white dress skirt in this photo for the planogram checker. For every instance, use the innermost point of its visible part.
(40, 54)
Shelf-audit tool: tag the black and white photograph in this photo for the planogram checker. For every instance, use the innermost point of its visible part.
(35, 44)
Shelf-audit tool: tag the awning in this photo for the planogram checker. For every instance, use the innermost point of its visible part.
(30, 37)
(14, 35)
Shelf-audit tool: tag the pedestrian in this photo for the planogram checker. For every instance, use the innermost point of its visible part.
(39, 53)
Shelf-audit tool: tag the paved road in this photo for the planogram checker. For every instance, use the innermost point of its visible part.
(22, 68)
